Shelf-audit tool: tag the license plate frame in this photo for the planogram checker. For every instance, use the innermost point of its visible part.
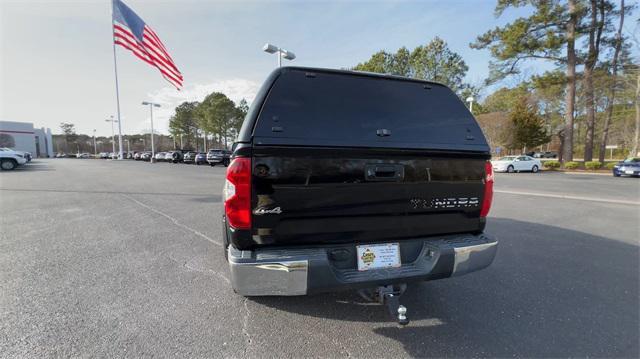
(378, 256)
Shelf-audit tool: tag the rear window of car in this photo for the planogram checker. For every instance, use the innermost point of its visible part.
(328, 108)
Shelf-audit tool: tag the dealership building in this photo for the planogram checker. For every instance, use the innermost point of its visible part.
(22, 136)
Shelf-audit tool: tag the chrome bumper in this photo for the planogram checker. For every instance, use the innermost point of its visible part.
(253, 277)
(287, 272)
(473, 258)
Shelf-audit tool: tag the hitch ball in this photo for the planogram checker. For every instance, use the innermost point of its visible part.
(402, 311)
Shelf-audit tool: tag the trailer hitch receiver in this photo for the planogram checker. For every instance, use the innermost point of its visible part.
(389, 296)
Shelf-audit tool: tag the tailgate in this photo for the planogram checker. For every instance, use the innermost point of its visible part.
(304, 195)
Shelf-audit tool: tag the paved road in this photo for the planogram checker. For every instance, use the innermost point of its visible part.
(114, 259)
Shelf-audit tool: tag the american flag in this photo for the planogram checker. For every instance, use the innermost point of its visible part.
(130, 32)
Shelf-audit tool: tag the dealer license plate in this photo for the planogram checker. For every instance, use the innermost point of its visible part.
(376, 256)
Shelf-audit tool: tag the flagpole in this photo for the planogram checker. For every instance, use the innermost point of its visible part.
(115, 70)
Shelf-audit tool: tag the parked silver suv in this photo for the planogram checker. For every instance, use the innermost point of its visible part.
(218, 156)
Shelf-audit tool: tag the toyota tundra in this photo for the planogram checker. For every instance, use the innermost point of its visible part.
(349, 180)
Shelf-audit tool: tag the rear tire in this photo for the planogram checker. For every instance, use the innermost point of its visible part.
(225, 241)
(8, 165)
(534, 169)
(510, 169)
(212, 164)
(226, 163)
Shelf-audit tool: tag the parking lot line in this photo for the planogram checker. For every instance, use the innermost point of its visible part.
(579, 198)
(175, 221)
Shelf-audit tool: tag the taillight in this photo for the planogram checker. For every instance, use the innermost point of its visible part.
(237, 193)
(488, 190)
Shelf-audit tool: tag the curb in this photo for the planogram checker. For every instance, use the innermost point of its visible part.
(586, 173)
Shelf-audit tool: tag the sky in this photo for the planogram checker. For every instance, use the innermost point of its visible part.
(56, 58)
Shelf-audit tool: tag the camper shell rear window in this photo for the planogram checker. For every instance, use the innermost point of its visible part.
(306, 107)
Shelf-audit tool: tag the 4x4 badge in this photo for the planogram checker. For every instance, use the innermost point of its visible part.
(261, 211)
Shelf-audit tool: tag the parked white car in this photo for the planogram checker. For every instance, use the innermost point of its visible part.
(10, 159)
(516, 164)
(159, 157)
(26, 155)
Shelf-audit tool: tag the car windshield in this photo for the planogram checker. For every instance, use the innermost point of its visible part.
(507, 158)
(632, 160)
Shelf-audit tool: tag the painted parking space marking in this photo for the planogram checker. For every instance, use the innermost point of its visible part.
(562, 196)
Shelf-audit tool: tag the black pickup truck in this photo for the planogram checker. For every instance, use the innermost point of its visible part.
(350, 180)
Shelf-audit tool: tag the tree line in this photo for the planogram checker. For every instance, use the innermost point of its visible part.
(589, 99)
(211, 123)
(71, 142)
(216, 117)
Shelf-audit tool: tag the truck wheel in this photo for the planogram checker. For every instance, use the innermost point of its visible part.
(226, 163)
(534, 169)
(212, 164)
(510, 169)
(8, 165)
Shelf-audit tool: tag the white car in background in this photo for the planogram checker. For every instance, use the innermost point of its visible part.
(26, 155)
(10, 159)
(512, 164)
(159, 157)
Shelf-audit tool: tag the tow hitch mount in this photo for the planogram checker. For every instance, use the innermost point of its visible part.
(389, 295)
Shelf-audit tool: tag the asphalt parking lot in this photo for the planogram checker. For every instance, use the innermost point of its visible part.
(123, 259)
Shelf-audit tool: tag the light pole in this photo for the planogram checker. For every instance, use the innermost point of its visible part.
(151, 106)
(272, 49)
(95, 147)
(113, 134)
(195, 133)
(470, 100)
(205, 141)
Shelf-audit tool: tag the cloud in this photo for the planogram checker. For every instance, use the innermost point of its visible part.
(169, 98)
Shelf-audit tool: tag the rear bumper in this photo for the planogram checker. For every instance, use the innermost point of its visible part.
(621, 172)
(301, 271)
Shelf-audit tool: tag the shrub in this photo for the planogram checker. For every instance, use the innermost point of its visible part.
(593, 165)
(610, 165)
(571, 165)
(552, 165)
